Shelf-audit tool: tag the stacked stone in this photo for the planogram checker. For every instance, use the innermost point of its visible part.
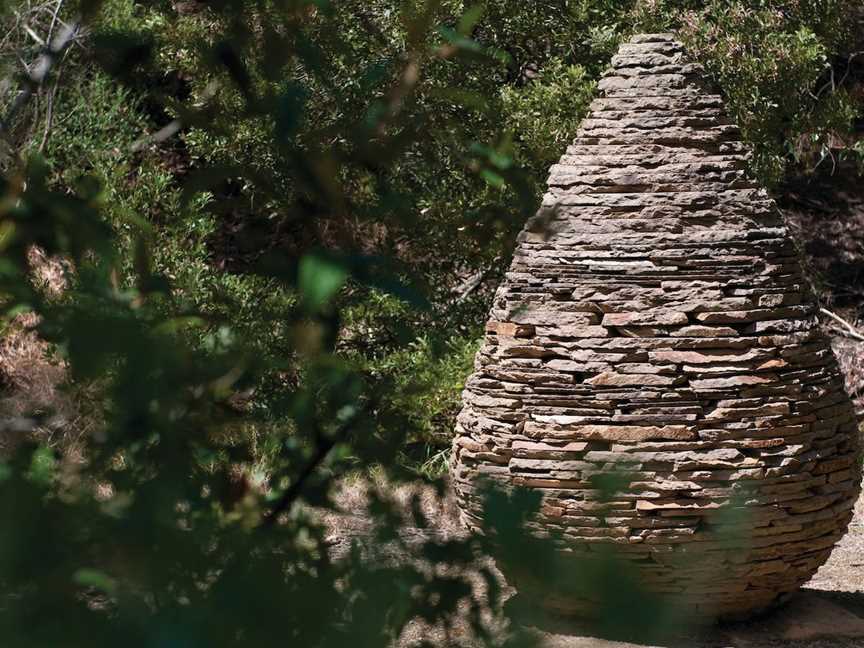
(655, 320)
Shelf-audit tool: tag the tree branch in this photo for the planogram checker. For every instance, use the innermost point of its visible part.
(853, 332)
(38, 72)
(292, 493)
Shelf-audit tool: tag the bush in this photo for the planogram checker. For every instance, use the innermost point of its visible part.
(772, 62)
(547, 110)
(179, 521)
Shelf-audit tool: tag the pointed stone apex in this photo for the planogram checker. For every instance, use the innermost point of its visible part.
(653, 65)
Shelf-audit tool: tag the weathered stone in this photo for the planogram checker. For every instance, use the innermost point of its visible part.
(707, 356)
(705, 331)
(655, 322)
(644, 319)
(633, 432)
(732, 381)
(546, 450)
(510, 329)
(609, 378)
(690, 507)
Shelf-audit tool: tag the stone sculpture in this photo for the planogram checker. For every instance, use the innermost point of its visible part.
(655, 318)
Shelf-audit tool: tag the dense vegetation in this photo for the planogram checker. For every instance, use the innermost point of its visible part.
(278, 225)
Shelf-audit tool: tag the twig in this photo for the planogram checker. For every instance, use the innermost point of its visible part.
(293, 492)
(832, 83)
(464, 291)
(169, 130)
(849, 65)
(174, 126)
(36, 37)
(49, 110)
(325, 445)
(853, 332)
(37, 74)
(54, 19)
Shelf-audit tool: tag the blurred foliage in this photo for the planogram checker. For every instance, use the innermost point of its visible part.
(213, 278)
(284, 220)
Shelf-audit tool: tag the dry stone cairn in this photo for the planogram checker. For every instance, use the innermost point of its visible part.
(655, 319)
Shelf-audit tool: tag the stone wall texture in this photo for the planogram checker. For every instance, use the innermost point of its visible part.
(655, 319)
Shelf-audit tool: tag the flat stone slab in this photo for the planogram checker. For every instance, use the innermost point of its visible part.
(827, 613)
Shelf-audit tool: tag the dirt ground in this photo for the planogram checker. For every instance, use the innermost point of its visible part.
(827, 613)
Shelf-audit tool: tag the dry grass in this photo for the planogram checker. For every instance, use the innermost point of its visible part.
(850, 355)
(353, 495)
(34, 399)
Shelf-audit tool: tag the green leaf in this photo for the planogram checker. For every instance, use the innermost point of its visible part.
(319, 279)
(42, 466)
(492, 178)
(95, 578)
(460, 41)
(470, 18)
(180, 323)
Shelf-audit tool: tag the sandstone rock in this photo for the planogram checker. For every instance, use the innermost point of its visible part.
(609, 378)
(644, 318)
(732, 381)
(655, 322)
(705, 331)
(510, 329)
(633, 432)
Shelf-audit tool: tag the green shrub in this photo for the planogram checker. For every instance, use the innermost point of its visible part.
(545, 112)
(228, 410)
(771, 60)
(463, 140)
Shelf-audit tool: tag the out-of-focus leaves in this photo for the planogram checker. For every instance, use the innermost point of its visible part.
(96, 579)
(226, 55)
(42, 466)
(122, 53)
(289, 111)
(319, 278)
(470, 18)
(58, 222)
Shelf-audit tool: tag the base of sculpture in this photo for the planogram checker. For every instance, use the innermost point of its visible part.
(729, 571)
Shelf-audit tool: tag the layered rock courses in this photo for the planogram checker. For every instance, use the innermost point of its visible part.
(655, 320)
